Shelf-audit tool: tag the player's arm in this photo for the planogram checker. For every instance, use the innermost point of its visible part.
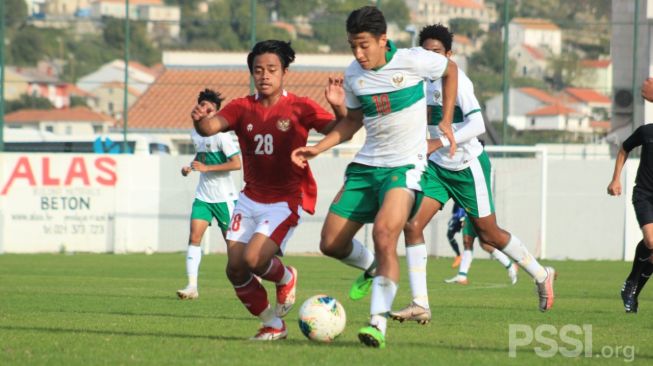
(206, 121)
(634, 140)
(343, 131)
(473, 124)
(335, 95)
(449, 94)
(614, 188)
(233, 163)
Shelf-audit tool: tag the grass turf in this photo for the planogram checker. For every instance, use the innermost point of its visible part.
(89, 309)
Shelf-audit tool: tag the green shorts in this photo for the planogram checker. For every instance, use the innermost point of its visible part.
(365, 187)
(468, 228)
(470, 187)
(222, 212)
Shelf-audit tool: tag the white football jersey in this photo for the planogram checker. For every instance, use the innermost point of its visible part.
(466, 111)
(393, 104)
(215, 187)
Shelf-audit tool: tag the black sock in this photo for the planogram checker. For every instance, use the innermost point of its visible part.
(643, 277)
(642, 253)
(453, 242)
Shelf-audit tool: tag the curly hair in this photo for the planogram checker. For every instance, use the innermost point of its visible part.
(438, 32)
(210, 96)
(280, 48)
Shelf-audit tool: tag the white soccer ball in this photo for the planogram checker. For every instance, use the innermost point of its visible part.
(322, 318)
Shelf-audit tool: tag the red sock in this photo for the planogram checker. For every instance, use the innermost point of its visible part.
(275, 272)
(253, 296)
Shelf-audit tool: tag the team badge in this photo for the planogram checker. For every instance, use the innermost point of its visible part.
(436, 96)
(283, 125)
(360, 82)
(398, 80)
(250, 127)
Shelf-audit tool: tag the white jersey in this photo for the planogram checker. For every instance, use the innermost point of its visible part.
(467, 124)
(393, 103)
(215, 187)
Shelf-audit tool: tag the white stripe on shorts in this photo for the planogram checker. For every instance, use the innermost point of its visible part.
(481, 188)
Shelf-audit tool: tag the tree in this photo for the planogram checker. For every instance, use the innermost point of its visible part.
(140, 47)
(465, 27)
(27, 102)
(566, 68)
(395, 11)
(32, 44)
(15, 13)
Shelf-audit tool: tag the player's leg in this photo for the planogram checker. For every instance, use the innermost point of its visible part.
(354, 205)
(471, 188)
(467, 256)
(642, 263)
(389, 222)
(505, 261)
(249, 255)
(416, 258)
(337, 241)
(200, 219)
(454, 227)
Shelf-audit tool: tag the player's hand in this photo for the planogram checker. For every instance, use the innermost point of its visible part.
(447, 131)
(202, 110)
(614, 188)
(301, 155)
(186, 170)
(200, 167)
(334, 92)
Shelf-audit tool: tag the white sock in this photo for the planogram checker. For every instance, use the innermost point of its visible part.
(287, 276)
(502, 258)
(360, 257)
(518, 252)
(193, 259)
(269, 318)
(383, 294)
(465, 262)
(416, 257)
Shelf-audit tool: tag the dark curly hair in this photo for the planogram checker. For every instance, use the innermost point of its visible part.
(280, 48)
(367, 19)
(438, 32)
(210, 96)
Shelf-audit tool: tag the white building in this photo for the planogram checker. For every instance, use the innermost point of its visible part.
(140, 76)
(161, 19)
(538, 33)
(596, 74)
(425, 12)
(530, 62)
(68, 121)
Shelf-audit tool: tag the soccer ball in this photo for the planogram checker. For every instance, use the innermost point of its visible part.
(322, 318)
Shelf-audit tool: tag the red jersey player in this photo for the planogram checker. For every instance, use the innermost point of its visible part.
(269, 125)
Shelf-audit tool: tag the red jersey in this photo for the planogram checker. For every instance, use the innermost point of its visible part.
(267, 136)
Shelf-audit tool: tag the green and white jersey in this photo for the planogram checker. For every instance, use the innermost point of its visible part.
(393, 103)
(215, 187)
(467, 124)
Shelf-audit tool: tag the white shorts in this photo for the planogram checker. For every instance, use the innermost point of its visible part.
(274, 220)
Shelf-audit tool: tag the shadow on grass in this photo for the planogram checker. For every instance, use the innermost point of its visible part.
(166, 315)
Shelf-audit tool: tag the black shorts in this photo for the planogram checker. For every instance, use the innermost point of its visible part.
(643, 203)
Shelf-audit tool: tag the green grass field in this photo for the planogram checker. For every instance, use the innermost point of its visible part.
(121, 310)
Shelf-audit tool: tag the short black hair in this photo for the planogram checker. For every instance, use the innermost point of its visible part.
(438, 32)
(212, 96)
(367, 19)
(280, 48)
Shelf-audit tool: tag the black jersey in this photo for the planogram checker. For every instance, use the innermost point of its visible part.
(643, 136)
